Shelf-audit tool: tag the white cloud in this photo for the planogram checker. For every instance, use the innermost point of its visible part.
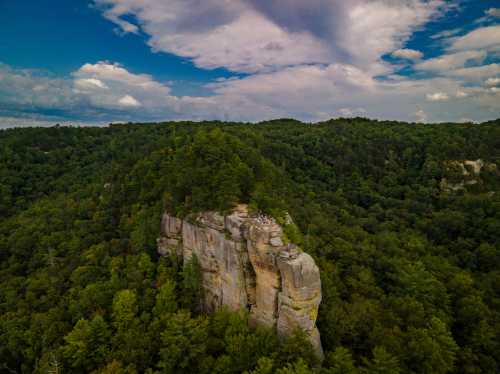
(307, 67)
(491, 82)
(29, 89)
(446, 33)
(451, 61)
(408, 54)
(476, 73)
(124, 26)
(493, 12)
(421, 116)
(376, 28)
(306, 59)
(307, 92)
(102, 91)
(124, 89)
(465, 56)
(437, 96)
(230, 34)
(481, 38)
(262, 36)
(89, 83)
(313, 93)
(351, 112)
(113, 73)
(130, 101)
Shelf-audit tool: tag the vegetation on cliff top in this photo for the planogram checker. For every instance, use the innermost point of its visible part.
(410, 271)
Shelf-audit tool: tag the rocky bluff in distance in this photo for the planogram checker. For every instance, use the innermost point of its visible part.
(247, 265)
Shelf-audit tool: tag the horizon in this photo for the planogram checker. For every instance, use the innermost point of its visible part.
(95, 62)
(75, 124)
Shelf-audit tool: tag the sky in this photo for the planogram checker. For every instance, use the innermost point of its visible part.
(102, 61)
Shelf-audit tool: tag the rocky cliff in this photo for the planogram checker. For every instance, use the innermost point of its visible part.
(466, 173)
(247, 265)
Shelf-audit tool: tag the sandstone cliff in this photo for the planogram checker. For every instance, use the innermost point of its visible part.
(246, 265)
(467, 173)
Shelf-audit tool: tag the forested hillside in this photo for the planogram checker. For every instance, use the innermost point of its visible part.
(402, 219)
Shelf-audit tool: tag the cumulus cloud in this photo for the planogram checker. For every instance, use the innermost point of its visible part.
(351, 112)
(310, 59)
(468, 58)
(407, 54)
(421, 116)
(128, 100)
(102, 91)
(306, 59)
(493, 12)
(451, 61)
(306, 92)
(219, 33)
(23, 88)
(476, 73)
(437, 96)
(380, 27)
(482, 38)
(216, 33)
(446, 33)
(491, 82)
(116, 76)
(90, 83)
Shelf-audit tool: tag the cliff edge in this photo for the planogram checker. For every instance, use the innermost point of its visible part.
(247, 265)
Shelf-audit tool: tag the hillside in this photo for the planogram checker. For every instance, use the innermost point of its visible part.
(402, 223)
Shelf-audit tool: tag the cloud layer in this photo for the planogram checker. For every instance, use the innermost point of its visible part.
(311, 60)
(257, 35)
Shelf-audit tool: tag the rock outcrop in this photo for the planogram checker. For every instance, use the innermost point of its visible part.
(467, 173)
(247, 265)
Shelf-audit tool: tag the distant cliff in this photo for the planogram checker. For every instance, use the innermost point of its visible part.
(463, 174)
(246, 264)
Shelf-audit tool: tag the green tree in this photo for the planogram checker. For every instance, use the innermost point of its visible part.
(340, 361)
(124, 308)
(131, 345)
(192, 285)
(382, 363)
(183, 344)
(87, 345)
(298, 367)
(264, 366)
(166, 299)
(431, 349)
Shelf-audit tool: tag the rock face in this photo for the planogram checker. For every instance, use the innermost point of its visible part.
(246, 265)
(468, 174)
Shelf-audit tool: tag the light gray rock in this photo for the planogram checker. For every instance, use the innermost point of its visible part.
(245, 265)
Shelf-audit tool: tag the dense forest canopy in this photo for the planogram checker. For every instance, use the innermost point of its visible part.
(404, 228)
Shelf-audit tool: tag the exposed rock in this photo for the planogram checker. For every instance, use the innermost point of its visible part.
(246, 265)
(467, 173)
(474, 167)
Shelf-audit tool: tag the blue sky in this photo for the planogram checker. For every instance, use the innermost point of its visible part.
(103, 61)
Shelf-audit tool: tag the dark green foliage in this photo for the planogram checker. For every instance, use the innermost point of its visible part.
(410, 271)
(183, 344)
(192, 289)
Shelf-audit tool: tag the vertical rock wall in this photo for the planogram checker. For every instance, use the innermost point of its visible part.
(246, 265)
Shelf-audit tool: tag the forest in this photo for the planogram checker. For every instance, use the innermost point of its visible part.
(404, 227)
